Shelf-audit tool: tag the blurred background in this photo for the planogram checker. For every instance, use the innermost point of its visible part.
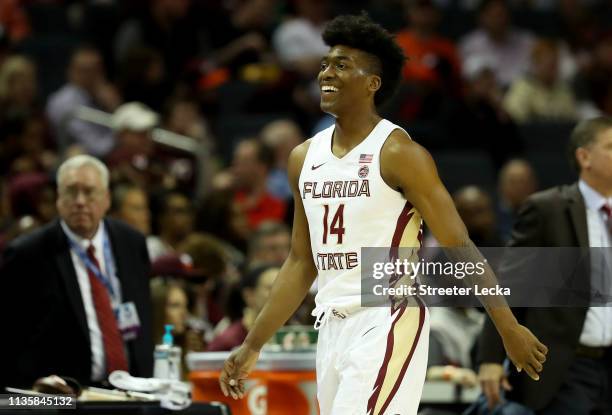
(195, 105)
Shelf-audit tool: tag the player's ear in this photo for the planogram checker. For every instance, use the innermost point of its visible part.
(374, 83)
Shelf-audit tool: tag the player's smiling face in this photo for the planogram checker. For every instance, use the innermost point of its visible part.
(344, 79)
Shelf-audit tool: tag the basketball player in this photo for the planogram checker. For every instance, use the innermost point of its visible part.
(363, 183)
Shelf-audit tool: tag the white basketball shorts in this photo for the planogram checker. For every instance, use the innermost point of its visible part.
(372, 362)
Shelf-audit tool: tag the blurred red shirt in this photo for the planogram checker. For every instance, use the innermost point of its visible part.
(425, 57)
(267, 208)
(231, 337)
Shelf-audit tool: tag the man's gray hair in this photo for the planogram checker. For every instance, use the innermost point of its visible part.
(79, 161)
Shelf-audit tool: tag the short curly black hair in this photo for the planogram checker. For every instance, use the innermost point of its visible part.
(360, 32)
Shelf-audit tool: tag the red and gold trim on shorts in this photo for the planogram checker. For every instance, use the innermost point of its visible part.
(405, 331)
(402, 340)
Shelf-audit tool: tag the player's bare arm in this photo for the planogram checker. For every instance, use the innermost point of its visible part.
(291, 286)
(408, 167)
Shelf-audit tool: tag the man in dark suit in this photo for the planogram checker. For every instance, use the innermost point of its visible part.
(75, 293)
(578, 375)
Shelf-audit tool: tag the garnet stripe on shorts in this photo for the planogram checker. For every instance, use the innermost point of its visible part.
(406, 327)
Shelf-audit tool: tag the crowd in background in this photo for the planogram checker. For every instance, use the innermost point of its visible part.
(238, 78)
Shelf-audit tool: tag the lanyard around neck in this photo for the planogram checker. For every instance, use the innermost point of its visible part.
(91, 266)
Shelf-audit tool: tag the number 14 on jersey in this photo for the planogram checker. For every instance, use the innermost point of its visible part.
(337, 224)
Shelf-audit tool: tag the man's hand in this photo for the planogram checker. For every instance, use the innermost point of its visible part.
(525, 350)
(491, 377)
(236, 369)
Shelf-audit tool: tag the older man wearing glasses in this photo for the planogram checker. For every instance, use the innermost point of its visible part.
(75, 294)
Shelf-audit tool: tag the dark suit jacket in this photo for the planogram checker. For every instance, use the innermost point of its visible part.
(554, 217)
(43, 318)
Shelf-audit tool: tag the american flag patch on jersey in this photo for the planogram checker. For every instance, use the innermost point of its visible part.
(365, 158)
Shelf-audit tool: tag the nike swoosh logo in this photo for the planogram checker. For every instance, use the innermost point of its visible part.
(313, 167)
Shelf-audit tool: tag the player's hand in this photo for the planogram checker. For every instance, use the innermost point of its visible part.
(236, 369)
(492, 377)
(525, 350)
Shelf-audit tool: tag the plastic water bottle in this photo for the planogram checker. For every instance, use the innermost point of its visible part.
(167, 357)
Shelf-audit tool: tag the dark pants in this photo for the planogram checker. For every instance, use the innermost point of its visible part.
(586, 391)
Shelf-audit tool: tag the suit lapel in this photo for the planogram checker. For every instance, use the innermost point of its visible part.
(69, 278)
(120, 261)
(577, 212)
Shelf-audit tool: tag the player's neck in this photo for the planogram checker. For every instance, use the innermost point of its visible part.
(351, 130)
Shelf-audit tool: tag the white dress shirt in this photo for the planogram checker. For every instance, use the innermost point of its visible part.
(597, 329)
(98, 363)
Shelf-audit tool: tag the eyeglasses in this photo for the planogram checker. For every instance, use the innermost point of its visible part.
(71, 193)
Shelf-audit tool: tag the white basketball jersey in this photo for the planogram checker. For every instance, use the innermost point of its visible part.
(349, 206)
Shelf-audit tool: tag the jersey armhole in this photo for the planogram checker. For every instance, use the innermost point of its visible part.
(380, 158)
(310, 143)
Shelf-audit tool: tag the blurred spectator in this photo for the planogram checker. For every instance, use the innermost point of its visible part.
(130, 204)
(269, 244)
(22, 132)
(33, 194)
(172, 297)
(168, 27)
(142, 78)
(454, 332)
(495, 133)
(237, 36)
(453, 337)
(87, 87)
(578, 24)
(24, 145)
(255, 288)
(68, 308)
(496, 40)
(221, 216)
(18, 85)
(174, 212)
(432, 71)
(594, 81)
(517, 181)
(137, 158)
(541, 95)
(212, 276)
(169, 306)
(195, 172)
(281, 136)
(251, 165)
(252, 14)
(183, 116)
(297, 41)
(170, 300)
(132, 156)
(29, 202)
(207, 256)
(432, 59)
(14, 20)
(475, 207)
